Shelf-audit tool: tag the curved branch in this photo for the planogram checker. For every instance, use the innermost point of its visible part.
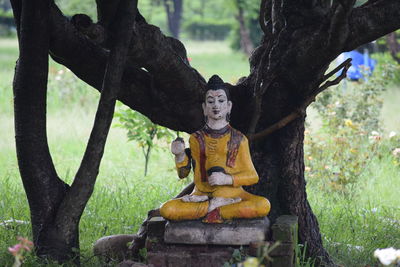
(261, 16)
(156, 68)
(371, 21)
(301, 110)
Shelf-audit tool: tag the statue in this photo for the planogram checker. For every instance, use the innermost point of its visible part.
(222, 164)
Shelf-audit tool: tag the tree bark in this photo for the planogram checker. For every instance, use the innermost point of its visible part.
(43, 188)
(55, 207)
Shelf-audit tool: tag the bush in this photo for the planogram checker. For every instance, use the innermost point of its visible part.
(207, 29)
(386, 63)
(7, 25)
(142, 130)
(350, 135)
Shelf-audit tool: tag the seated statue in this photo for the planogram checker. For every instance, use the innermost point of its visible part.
(222, 164)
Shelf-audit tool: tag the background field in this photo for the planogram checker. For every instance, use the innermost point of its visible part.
(353, 222)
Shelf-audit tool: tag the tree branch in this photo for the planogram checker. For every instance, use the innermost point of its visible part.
(339, 23)
(301, 110)
(74, 203)
(154, 60)
(371, 21)
(265, 24)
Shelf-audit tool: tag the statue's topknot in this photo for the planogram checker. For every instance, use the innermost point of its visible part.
(215, 83)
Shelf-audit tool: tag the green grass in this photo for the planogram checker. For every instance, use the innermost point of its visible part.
(352, 225)
(214, 57)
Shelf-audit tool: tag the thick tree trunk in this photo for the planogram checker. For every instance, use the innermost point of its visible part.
(43, 187)
(279, 160)
(280, 164)
(55, 207)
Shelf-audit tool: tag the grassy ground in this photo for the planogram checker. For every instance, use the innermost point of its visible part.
(353, 225)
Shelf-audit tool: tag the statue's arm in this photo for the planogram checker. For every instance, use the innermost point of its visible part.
(184, 166)
(245, 173)
(182, 157)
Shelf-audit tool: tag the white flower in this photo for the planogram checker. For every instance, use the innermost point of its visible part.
(392, 134)
(374, 133)
(60, 72)
(58, 78)
(387, 255)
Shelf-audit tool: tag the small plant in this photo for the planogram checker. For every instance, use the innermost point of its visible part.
(301, 258)
(18, 250)
(143, 131)
(238, 255)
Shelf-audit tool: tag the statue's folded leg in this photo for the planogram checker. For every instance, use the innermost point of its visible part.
(251, 206)
(177, 210)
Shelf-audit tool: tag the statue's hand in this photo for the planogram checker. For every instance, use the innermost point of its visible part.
(178, 149)
(220, 178)
(194, 198)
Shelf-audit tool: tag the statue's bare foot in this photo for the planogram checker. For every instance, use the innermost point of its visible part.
(194, 198)
(222, 201)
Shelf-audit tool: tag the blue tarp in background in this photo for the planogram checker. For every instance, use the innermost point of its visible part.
(361, 64)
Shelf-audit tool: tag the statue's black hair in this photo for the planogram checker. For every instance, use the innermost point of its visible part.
(216, 83)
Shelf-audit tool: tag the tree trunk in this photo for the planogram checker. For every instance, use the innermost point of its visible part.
(55, 207)
(393, 46)
(245, 41)
(280, 164)
(43, 187)
(174, 16)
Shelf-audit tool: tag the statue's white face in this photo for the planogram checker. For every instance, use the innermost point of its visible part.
(216, 105)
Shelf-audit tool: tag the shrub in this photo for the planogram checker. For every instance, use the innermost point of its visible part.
(143, 131)
(207, 29)
(350, 135)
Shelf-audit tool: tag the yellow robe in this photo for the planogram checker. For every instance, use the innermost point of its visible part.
(216, 148)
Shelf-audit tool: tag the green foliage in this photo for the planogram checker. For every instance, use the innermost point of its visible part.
(251, 15)
(301, 258)
(72, 7)
(238, 255)
(207, 29)
(143, 131)
(350, 163)
(7, 28)
(386, 63)
(254, 30)
(349, 136)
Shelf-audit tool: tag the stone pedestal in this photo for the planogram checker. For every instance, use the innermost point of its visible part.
(237, 232)
(284, 230)
(193, 243)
